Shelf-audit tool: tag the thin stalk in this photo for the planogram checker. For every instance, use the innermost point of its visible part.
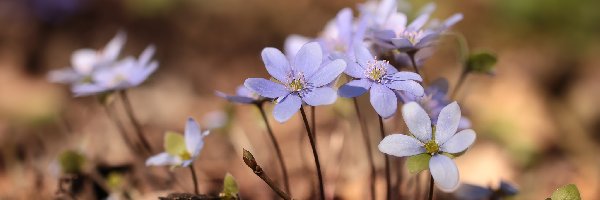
(388, 181)
(113, 118)
(313, 119)
(430, 197)
(399, 175)
(461, 81)
(134, 121)
(365, 133)
(411, 54)
(314, 150)
(277, 149)
(193, 171)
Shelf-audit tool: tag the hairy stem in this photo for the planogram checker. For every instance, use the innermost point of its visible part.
(313, 119)
(411, 54)
(134, 121)
(388, 181)
(195, 179)
(365, 132)
(113, 118)
(315, 154)
(277, 149)
(430, 197)
(461, 81)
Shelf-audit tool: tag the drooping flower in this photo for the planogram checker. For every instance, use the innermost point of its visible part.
(437, 142)
(382, 79)
(127, 73)
(396, 34)
(303, 80)
(86, 61)
(180, 151)
(434, 100)
(243, 95)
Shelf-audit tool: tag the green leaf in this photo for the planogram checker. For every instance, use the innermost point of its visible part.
(71, 161)
(174, 144)
(567, 192)
(418, 163)
(481, 62)
(230, 187)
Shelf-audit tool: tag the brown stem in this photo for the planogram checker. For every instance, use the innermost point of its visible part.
(430, 197)
(113, 118)
(134, 121)
(315, 154)
(365, 132)
(277, 148)
(195, 179)
(412, 54)
(388, 181)
(313, 123)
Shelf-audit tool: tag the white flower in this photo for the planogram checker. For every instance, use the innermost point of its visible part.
(85, 61)
(180, 151)
(126, 73)
(435, 142)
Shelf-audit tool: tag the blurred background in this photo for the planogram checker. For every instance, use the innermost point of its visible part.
(537, 119)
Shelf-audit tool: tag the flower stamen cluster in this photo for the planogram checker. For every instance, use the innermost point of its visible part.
(376, 69)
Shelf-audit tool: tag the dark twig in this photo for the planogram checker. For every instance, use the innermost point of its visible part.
(113, 118)
(251, 162)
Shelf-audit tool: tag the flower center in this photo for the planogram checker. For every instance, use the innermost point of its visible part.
(376, 69)
(431, 147)
(185, 155)
(296, 82)
(296, 85)
(412, 36)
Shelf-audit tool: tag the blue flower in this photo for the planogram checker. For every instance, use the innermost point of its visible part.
(243, 95)
(181, 151)
(87, 61)
(126, 73)
(382, 79)
(435, 143)
(396, 34)
(303, 80)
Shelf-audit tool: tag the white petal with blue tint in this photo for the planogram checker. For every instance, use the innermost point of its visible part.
(418, 23)
(362, 54)
(320, 96)
(84, 60)
(444, 172)
(328, 73)
(308, 59)
(163, 159)
(411, 87)
(266, 88)
(401, 145)
(417, 120)
(193, 137)
(383, 100)
(276, 63)
(459, 142)
(353, 69)
(447, 122)
(287, 107)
